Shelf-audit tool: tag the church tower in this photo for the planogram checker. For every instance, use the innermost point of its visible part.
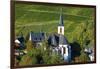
(61, 25)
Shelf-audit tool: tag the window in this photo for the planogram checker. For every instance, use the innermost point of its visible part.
(60, 50)
(35, 38)
(60, 30)
(40, 39)
(64, 50)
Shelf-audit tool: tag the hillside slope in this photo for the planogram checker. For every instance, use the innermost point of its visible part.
(38, 18)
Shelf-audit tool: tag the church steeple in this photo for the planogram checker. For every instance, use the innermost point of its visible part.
(61, 25)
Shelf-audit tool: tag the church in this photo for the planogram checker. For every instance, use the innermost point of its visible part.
(59, 43)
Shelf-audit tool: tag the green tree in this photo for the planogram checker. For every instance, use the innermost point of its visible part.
(46, 56)
(51, 58)
(40, 55)
(29, 45)
(26, 60)
(55, 59)
(84, 57)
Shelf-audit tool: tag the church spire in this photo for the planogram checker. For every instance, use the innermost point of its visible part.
(61, 23)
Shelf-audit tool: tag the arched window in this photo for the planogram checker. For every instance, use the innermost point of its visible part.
(64, 50)
(60, 30)
(60, 50)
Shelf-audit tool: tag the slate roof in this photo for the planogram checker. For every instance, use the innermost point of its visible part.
(63, 40)
(20, 38)
(37, 37)
(55, 40)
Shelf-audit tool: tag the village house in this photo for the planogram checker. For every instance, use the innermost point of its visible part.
(19, 45)
(37, 38)
(19, 42)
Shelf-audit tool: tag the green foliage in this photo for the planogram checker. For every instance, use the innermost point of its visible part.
(84, 57)
(28, 60)
(46, 57)
(55, 59)
(49, 58)
(40, 55)
(29, 45)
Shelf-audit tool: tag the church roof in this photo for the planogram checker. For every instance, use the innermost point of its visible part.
(63, 40)
(20, 38)
(55, 40)
(37, 37)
